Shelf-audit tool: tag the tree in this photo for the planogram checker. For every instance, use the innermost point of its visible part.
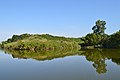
(113, 41)
(98, 37)
(99, 27)
(94, 39)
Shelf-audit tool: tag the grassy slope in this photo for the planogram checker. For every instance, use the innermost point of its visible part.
(41, 42)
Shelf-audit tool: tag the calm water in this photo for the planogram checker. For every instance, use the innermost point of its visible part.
(98, 64)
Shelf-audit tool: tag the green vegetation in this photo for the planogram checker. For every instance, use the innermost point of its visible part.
(0, 45)
(42, 55)
(103, 41)
(113, 41)
(47, 47)
(99, 39)
(98, 58)
(94, 39)
(40, 42)
(99, 28)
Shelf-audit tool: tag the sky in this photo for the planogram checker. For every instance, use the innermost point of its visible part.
(70, 18)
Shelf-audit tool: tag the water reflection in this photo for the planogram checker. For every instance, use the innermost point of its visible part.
(116, 60)
(98, 57)
(42, 55)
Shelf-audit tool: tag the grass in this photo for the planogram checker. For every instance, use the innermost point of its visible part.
(41, 42)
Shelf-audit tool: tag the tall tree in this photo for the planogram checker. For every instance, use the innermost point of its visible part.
(99, 27)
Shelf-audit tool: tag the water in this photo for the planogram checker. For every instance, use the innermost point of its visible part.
(97, 64)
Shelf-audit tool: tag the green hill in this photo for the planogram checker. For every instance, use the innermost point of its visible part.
(40, 42)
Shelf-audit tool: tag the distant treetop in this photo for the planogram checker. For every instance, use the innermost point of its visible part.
(99, 27)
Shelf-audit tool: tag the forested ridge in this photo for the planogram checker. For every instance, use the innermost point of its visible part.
(97, 39)
(100, 39)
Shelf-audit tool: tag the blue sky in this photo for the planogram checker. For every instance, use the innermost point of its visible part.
(71, 18)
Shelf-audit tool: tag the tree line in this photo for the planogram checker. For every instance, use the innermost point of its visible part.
(100, 39)
(47, 42)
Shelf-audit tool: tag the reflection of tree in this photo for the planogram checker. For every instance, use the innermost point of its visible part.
(42, 55)
(116, 60)
(100, 66)
(98, 58)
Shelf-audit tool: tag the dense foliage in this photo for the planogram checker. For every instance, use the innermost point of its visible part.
(98, 36)
(104, 40)
(40, 42)
(94, 39)
(99, 39)
(113, 41)
(99, 28)
(48, 42)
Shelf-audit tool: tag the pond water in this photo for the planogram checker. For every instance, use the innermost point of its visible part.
(97, 64)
